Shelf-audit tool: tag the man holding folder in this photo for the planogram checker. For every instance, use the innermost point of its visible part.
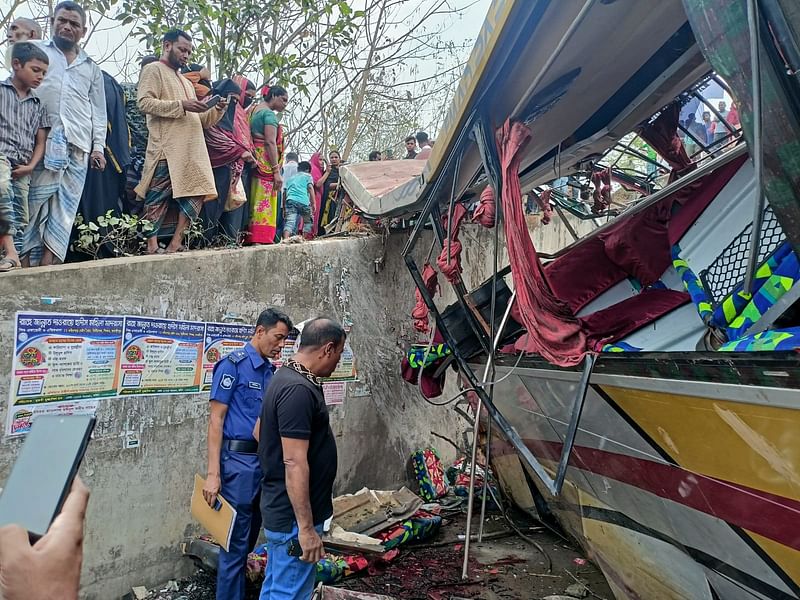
(239, 382)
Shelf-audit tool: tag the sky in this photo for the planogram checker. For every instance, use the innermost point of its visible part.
(111, 45)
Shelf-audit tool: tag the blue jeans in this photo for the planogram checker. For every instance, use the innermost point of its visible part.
(294, 211)
(286, 577)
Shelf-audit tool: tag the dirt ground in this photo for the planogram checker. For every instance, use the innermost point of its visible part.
(503, 566)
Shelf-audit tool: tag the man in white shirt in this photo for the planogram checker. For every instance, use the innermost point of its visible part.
(425, 147)
(74, 97)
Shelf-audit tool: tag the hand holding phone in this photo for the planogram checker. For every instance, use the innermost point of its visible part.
(50, 568)
(44, 471)
(212, 101)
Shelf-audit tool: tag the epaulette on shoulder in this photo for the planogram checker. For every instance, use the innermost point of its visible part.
(237, 356)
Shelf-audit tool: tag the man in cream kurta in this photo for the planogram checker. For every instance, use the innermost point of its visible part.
(176, 164)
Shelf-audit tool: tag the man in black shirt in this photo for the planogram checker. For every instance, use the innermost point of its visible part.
(411, 147)
(297, 452)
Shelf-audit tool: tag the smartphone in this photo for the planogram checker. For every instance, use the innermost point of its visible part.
(294, 548)
(213, 101)
(42, 475)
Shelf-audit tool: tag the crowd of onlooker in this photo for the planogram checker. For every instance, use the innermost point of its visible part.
(197, 161)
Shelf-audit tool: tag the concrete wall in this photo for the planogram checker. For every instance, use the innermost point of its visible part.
(138, 513)
(140, 498)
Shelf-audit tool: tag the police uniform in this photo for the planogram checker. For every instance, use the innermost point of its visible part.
(239, 381)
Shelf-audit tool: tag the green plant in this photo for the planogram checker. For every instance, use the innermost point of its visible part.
(117, 234)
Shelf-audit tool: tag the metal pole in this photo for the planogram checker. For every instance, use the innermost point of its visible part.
(475, 431)
(755, 71)
(471, 495)
(487, 456)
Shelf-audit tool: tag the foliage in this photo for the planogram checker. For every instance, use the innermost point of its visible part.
(272, 38)
(119, 234)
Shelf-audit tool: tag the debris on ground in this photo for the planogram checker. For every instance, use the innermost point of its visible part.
(397, 545)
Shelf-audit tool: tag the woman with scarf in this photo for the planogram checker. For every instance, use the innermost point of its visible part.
(266, 177)
(200, 77)
(230, 147)
(329, 182)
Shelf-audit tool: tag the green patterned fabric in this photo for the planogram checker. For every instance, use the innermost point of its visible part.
(720, 27)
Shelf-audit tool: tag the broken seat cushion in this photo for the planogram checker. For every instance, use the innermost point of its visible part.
(430, 474)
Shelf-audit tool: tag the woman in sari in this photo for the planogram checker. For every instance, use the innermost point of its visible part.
(230, 146)
(329, 182)
(266, 178)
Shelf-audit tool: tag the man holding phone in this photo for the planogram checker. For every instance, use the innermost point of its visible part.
(176, 165)
(238, 385)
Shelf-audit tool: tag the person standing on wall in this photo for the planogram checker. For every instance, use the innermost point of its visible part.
(73, 95)
(237, 388)
(297, 452)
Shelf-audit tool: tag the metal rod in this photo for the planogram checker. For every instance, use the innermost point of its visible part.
(487, 457)
(572, 430)
(756, 153)
(476, 431)
(471, 495)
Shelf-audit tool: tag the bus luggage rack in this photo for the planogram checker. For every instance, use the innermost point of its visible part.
(728, 269)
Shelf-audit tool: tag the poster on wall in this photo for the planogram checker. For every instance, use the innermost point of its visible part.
(220, 340)
(345, 369)
(62, 364)
(334, 392)
(161, 356)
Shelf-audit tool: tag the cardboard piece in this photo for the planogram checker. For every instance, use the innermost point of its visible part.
(219, 523)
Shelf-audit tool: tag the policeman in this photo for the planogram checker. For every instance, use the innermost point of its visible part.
(238, 385)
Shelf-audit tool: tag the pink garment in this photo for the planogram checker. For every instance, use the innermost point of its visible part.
(420, 312)
(553, 331)
(484, 213)
(449, 260)
(316, 172)
(544, 204)
(424, 153)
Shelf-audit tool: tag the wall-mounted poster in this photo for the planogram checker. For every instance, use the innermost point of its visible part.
(221, 340)
(161, 356)
(62, 364)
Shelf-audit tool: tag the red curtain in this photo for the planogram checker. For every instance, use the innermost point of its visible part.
(662, 135)
(553, 331)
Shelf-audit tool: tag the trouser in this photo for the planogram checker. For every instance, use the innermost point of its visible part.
(294, 212)
(14, 201)
(287, 577)
(241, 487)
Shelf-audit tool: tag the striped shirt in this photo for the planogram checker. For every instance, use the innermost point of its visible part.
(20, 119)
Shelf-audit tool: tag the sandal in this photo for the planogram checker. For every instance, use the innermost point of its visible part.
(9, 264)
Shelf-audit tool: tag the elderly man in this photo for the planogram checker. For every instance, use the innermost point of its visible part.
(176, 164)
(297, 452)
(21, 29)
(74, 97)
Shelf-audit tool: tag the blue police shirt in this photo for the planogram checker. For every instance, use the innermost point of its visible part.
(239, 381)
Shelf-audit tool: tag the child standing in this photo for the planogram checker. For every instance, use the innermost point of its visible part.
(299, 200)
(23, 134)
